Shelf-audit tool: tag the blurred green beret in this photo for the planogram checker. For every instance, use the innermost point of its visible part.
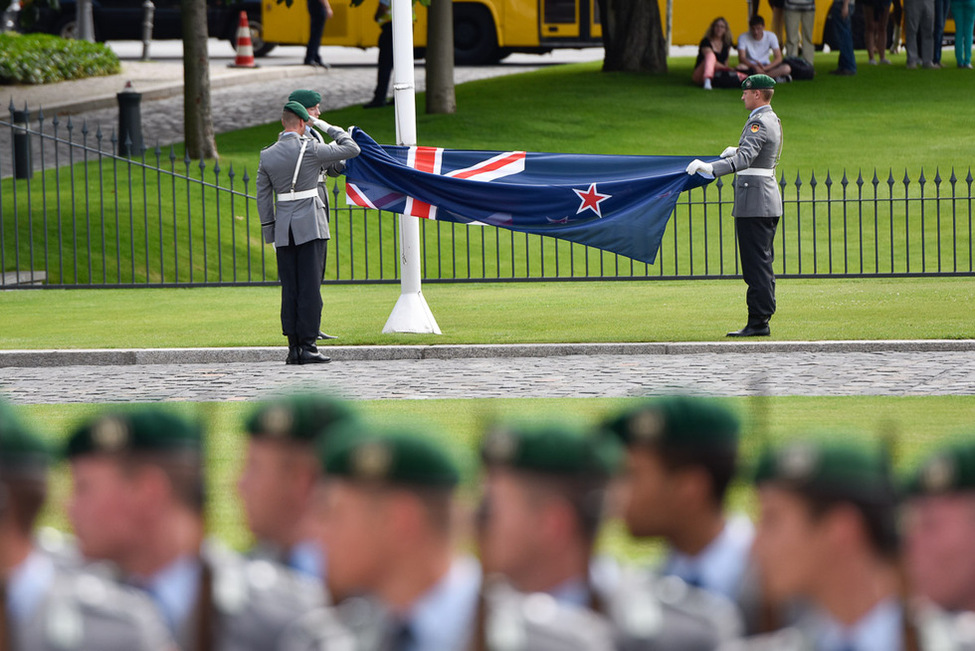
(307, 98)
(828, 469)
(949, 470)
(22, 450)
(757, 82)
(551, 448)
(387, 456)
(147, 429)
(297, 109)
(301, 417)
(678, 422)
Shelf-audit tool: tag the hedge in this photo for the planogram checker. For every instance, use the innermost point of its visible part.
(43, 58)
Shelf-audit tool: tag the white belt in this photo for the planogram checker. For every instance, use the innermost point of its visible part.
(757, 171)
(295, 196)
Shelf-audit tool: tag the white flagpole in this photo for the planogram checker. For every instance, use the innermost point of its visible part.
(411, 313)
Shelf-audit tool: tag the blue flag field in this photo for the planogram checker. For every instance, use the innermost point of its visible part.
(619, 204)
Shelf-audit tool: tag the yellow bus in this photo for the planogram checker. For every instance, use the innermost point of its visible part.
(487, 30)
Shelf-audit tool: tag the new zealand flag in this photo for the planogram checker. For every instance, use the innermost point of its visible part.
(619, 204)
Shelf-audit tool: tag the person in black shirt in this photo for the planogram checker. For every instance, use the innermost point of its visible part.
(713, 55)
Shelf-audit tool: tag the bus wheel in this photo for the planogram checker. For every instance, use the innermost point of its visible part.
(475, 39)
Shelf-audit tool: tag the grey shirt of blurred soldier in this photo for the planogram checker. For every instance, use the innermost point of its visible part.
(305, 219)
(56, 608)
(756, 191)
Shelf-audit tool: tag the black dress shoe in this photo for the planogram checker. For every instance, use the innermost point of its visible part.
(322, 335)
(752, 330)
(308, 353)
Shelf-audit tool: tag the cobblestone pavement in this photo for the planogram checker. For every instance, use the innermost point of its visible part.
(779, 374)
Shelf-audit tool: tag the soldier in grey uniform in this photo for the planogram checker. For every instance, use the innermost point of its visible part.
(295, 220)
(389, 511)
(827, 533)
(46, 605)
(281, 470)
(545, 494)
(758, 203)
(138, 503)
(312, 100)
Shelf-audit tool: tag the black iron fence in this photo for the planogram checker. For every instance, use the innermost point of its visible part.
(74, 213)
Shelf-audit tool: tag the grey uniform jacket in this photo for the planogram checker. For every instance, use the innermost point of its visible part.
(332, 169)
(512, 622)
(254, 600)
(663, 613)
(306, 219)
(759, 147)
(81, 611)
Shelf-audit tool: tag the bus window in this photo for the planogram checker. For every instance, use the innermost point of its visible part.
(560, 19)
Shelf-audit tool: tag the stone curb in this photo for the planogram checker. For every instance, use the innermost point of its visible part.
(131, 357)
(171, 89)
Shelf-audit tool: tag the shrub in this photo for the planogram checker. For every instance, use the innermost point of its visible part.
(43, 59)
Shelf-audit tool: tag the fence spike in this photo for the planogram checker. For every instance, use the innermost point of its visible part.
(890, 177)
(55, 121)
(812, 179)
(216, 168)
(114, 138)
(798, 182)
(40, 114)
(953, 179)
(70, 126)
(875, 181)
(829, 180)
(245, 178)
(907, 179)
(172, 154)
(12, 107)
(844, 181)
(98, 132)
(128, 143)
(230, 172)
(202, 165)
(719, 183)
(84, 126)
(859, 180)
(937, 176)
(186, 161)
(157, 151)
(782, 182)
(969, 179)
(921, 179)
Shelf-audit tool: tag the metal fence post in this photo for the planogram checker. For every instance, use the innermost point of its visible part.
(22, 166)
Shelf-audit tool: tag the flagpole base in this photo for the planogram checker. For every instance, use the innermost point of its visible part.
(411, 314)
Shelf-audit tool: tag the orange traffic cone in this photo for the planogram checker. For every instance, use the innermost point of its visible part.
(245, 49)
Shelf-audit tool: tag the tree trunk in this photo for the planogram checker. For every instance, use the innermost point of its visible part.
(440, 58)
(632, 37)
(197, 112)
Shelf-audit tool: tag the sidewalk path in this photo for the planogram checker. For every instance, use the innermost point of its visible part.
(799, 373)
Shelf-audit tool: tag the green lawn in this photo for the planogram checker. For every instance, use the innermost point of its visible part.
(918, 423)
(914, 308)
(886, 119)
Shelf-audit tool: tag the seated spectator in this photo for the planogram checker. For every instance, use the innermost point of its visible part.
(759, 52)
(713, 55)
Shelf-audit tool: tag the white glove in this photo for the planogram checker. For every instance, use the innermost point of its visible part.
(698, 166)
(322, 125)
(729, 152)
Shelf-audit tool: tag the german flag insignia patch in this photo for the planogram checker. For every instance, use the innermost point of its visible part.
(755, 128)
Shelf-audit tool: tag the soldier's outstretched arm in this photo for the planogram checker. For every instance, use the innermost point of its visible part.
(342, 149)
(748, 148)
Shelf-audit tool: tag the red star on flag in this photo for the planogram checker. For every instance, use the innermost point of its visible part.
(591, 200)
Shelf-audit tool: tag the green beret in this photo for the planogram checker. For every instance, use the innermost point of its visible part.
(680, 422)
(148, 429)
(949, 470)
(22, 450)
(835, 470)
(757, 82)
(387, 456)
(307, 98)
(551, 448)
(298, 110)
(302, 417)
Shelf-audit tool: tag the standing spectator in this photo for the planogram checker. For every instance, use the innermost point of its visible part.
(840, 13)
(713, 55)
(875, 16)
(759, 52)
(940, 16)
(919, 25)
(384, 68)
(964, 13)
(800, 14)
(778, 15)
(318, 11)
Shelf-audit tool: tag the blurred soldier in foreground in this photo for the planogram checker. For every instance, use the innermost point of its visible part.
(827, 533)
(45, 605)
(138, 500)
(281, 471)
(543, 505)
(681, 456)
(390, 537)
(940, 531)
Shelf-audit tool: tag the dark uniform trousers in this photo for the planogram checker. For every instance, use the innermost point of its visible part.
(756, 237)
(316, 13)
(300, 268)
